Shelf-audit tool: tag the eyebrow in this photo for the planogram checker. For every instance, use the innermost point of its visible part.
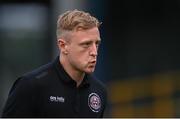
(89, 41)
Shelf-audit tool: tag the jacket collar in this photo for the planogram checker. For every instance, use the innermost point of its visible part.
(64, 76)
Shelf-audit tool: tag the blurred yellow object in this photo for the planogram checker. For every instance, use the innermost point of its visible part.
(150, 96)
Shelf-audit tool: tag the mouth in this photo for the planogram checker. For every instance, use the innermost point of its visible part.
(92, 63)
(91, 66)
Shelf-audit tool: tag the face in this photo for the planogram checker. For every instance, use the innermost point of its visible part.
(82, 50)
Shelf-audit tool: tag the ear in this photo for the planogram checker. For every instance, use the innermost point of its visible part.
(62, 44)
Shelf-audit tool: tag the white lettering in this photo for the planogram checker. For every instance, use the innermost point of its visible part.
(56, 99)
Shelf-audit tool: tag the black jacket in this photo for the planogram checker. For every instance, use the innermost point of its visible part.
(50, 92)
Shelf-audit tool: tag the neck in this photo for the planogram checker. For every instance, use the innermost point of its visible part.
(75, 74)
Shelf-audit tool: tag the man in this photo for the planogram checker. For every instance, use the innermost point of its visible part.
(64, 87)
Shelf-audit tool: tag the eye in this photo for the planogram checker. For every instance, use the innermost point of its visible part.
(86, 44)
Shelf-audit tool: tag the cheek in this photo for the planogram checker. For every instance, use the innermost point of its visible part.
(82, 58)
(78, 56)
(80, 53)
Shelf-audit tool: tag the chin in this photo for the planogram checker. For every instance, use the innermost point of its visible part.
(90, 71)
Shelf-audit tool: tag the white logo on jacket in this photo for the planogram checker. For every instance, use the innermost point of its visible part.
(56, 99)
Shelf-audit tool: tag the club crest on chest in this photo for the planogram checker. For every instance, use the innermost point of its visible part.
(94, 102)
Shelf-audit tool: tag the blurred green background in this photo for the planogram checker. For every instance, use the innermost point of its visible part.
(138, 59)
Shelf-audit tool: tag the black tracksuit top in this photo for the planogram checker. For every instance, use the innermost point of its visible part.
(50, 92)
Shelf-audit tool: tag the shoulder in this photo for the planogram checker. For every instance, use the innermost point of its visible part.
(30, 80)
(39, 72)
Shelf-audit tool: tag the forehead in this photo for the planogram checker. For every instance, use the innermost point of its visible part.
(89, 34)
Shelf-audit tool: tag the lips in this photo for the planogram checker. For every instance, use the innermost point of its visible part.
(92, 63)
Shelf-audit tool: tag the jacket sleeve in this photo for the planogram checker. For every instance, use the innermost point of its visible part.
(20, 100)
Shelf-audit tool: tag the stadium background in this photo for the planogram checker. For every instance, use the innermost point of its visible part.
(138, 58)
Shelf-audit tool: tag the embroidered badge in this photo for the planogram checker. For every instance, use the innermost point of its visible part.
(94, 102)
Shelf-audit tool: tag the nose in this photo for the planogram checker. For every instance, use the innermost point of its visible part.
(93, 50)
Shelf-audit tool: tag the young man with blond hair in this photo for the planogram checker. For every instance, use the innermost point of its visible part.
(65, 87)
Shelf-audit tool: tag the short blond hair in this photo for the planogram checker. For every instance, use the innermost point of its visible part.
(75, 20)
